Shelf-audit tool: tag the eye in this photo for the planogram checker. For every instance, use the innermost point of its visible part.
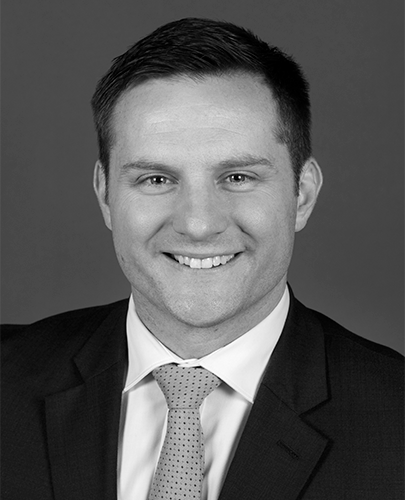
(239, 181)
(155, 184)
(156, 180)
(238, 178)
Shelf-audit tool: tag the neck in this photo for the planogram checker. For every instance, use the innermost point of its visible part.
(189, 341)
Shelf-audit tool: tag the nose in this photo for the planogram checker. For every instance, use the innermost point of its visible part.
(200, 213)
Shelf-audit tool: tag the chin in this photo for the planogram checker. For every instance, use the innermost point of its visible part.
(202, 313)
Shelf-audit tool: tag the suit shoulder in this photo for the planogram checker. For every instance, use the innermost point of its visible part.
(68, 321)
(340, 333)
(359, 358)
(56, 337)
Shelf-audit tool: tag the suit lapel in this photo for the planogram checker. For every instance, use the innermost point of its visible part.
(278, 450)
(83, 422)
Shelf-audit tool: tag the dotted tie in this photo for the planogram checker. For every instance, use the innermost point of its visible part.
(179, 472)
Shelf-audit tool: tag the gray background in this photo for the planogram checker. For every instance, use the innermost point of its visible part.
(56, 253)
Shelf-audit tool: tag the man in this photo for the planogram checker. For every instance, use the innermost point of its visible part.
(205, 175)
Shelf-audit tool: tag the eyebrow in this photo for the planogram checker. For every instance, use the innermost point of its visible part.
(246, 161)
(237, 162)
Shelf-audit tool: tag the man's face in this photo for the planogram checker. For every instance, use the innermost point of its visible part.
(201, 198)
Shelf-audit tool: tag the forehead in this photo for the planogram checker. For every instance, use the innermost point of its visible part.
(211, 96)
(185, 113)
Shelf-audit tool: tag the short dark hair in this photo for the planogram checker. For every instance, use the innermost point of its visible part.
(203, 47)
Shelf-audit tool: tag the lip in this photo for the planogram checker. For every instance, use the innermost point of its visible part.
(212, 269)
(192, 255)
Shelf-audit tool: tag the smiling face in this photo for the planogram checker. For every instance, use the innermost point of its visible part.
(201, 201)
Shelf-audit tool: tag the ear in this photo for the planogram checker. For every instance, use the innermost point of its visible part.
(309, 187)
(100, 184)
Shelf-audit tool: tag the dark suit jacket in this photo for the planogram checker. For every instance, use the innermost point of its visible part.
(326, 424)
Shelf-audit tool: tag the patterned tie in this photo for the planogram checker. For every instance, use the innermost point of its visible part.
(179, 472)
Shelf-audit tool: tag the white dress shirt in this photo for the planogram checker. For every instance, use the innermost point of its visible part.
(240, 365)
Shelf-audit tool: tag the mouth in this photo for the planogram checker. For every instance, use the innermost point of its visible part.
(205, 263)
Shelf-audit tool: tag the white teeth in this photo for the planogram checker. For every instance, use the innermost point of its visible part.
(195, 263)
(216, 261)
(207, 263)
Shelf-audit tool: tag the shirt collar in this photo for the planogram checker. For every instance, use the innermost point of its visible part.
(239, 364)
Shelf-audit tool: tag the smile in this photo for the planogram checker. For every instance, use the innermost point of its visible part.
(207, 263)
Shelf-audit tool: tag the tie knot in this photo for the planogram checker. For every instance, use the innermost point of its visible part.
(185, 387)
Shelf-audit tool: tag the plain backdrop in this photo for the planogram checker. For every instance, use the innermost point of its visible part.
(56, 252)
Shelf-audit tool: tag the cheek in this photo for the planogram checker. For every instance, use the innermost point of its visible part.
(134, 223)
(271, 229)
(264, 216)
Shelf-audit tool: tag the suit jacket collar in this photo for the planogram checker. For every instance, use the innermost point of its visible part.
(297, 369)
(83, 422)
(107, 346)
(278, 450)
